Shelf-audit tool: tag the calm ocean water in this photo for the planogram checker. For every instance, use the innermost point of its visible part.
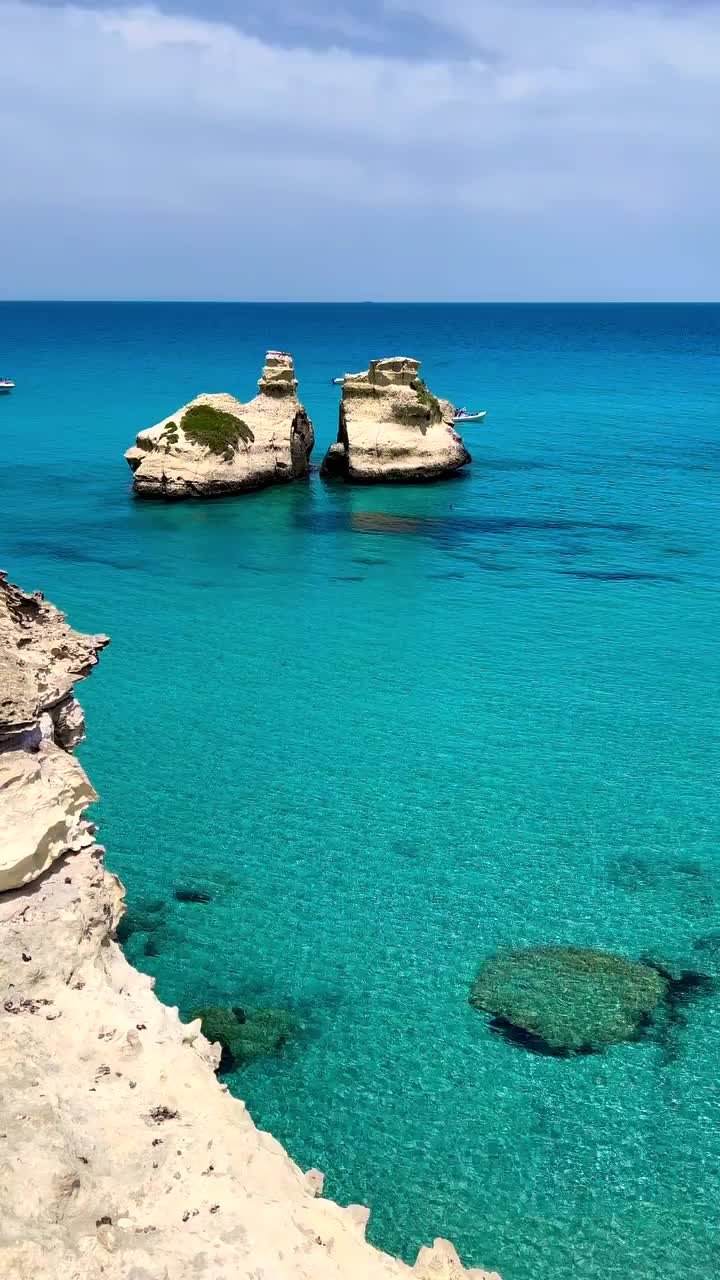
(387, 754)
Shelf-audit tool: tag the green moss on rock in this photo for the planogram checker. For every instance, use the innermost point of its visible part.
(426, 397)
(215, 430)
(244, 1034)
(565, 1000)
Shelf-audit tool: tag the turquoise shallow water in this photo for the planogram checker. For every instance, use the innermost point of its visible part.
(387, 754)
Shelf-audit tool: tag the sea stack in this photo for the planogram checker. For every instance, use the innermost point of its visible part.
(392, 428)
(215, 445)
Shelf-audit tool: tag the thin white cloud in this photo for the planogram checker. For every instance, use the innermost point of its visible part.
(563, 111)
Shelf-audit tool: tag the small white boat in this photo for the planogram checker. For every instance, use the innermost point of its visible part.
(6, 386)
(463, 416)
(337, 382)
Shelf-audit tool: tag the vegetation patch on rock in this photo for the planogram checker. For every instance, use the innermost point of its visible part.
(215, 430)
(425, 396)
(568, 1000)
(244, 1034)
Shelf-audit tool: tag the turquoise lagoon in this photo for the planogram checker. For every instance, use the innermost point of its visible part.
(386, 752)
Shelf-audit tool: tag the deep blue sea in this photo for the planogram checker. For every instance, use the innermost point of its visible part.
(387, 749)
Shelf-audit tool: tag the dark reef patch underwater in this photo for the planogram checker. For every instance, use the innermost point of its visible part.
(381, 783)
(564, 1001)
(244, 1034)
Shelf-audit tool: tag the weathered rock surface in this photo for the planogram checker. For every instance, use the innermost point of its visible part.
(40, 659)
(43, 790)
(393, 429)
(123, 1158)
(566, 1000)
(43, 796)
(215, 445)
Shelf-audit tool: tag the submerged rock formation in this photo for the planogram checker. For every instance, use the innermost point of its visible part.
(564, 1000)
(392, 428)
(215, 445)
(244, 1034)
(122, 1154)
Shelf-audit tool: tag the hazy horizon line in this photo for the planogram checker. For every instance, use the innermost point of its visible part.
(364, 302)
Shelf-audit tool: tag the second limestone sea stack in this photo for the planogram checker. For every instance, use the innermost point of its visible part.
(215, 445)
(392, 428)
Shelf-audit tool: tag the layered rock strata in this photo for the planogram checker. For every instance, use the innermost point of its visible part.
(215, 445)
(392, 428)
(43, 790)
(122, 1155)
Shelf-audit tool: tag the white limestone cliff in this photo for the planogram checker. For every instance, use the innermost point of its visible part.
(392, 428)
(233, 448)
(123, 1157)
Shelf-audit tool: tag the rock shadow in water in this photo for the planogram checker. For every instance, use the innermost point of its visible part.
(256, 568)
(75, 555)
(408, 850)
(709, 945)
(147, 930)
(144, 918)
(481, 562)
(686, 886)
(636, 874)
(455, 525)
(386, 522)
(187, 893)
(618, 575)
(523, 1039)
(684, 988)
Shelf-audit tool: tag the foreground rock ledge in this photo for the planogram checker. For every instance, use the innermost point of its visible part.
(267, 441)
(122, 1155)
(392, 428)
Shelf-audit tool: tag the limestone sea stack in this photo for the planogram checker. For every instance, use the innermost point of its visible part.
(392, 428)
(215, 445)
(122, 1154)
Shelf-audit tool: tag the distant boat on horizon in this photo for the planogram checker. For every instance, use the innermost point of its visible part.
(6, 386)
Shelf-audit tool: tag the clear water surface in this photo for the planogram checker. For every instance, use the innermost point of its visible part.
(385, 754)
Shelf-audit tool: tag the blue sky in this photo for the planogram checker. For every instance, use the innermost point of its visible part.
(367, 149)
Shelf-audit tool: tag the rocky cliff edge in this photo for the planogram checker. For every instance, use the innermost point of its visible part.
(123, 1158)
